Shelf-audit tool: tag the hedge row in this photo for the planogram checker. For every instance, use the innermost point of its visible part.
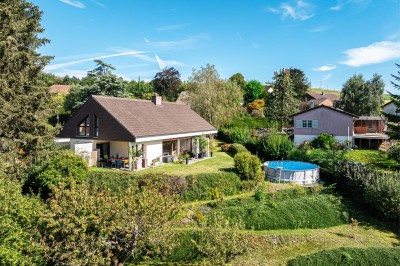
(350, 256)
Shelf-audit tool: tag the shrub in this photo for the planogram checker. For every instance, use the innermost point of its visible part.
(239, 134)
(63, 167)
(298, 155)
(350, 256)
(276, 146)
(260, 194)
(236, 148)
(394, 153)
(226, 147)
(248, 166)
(204, 186)
(324, 141)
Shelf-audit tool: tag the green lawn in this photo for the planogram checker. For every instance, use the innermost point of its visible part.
(374, 158)
(220, 161)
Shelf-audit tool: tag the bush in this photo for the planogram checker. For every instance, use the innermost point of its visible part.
(64, 167)
(276, 146)
(324, 141)
(394, 153)
(350, 256)
(226, 147)
(239, 134)
(248, 166)
(298, 155)
(203, 186)
(260, 195)
(236, 148)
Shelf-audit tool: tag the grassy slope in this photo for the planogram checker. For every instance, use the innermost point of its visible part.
(386, 97)
(377, 159)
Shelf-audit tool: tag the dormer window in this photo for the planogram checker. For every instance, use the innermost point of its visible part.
(83, 127)
(96, 126)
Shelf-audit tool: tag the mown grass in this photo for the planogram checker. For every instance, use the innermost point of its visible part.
(374, 158)
(351, 256)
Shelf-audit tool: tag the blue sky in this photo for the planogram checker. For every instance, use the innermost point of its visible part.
(330, 40)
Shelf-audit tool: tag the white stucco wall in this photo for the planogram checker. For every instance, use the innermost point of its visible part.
(73, 142)
(119, 147)
(390, 109)
(153, 150)
(84, 150)
(298, 139)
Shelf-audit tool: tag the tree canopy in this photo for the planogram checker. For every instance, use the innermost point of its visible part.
(238, 79)
(282, 101)
(98, 82)
(362, 97)
(25, 103)
(167, 83)
(300, 82)
(253, 90)
(212, 98)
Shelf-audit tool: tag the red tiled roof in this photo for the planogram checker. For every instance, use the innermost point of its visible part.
(60, 88)
(143, 118)
(329, 96)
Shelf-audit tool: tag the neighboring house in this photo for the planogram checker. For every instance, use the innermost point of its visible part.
(311, 123)
(369, 131)
(362, 131)
(60, 89)
(106, 127)
(391, 108)
(327, 99)
(183, 97)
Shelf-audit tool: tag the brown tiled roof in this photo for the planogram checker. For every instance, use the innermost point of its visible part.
(324, 101)
(143, 118)
(60, 88)
(329, 96)
(323, 106)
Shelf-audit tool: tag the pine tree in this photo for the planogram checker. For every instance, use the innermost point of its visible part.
(394, 120)
(282, 102)
(25, 103)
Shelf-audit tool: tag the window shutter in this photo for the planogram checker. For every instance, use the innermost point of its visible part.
(299, 123)
(315, 124)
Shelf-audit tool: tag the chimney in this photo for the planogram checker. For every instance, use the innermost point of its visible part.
(156, 99)
(311, 104)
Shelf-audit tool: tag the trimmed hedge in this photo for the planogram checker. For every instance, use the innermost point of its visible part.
(113, 181)
(202, 186)
(350, 256)
(237, 148)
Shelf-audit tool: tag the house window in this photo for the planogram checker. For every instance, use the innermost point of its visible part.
(96, 126)
(306, 124)
(83, 127)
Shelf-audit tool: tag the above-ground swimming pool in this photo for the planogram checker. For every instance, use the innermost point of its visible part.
(300, 173)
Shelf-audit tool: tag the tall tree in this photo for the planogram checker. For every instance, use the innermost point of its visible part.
(238, 79)
(282, 101)
(362, 97)
(394, 120)
(214, 99)
(167, 83)
(25, 103)
(253, 90)
(300, 82)
(140, 89)
(98, 82)
(101, 69)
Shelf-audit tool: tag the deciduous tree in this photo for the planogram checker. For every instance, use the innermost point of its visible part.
(239, 80)
(394, 120)
(167, 83)
(214, 99)
(362, 97)
(253, 90)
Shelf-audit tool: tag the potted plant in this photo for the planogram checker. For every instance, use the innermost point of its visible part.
(202, 145)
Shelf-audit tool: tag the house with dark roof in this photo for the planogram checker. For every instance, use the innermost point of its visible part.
(361, 131)
(108, 127)
(391, 108)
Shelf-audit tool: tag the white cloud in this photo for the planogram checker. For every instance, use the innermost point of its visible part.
(169, 44)
(325, 68)
(146, 40)
(355, 3)
(336, 8)
(375, 53)
(172, 27)
(73, 3)
(299, 10)
(164, 63)
(319, 29)
(98, 3)
(63, 65)
(326, 77)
